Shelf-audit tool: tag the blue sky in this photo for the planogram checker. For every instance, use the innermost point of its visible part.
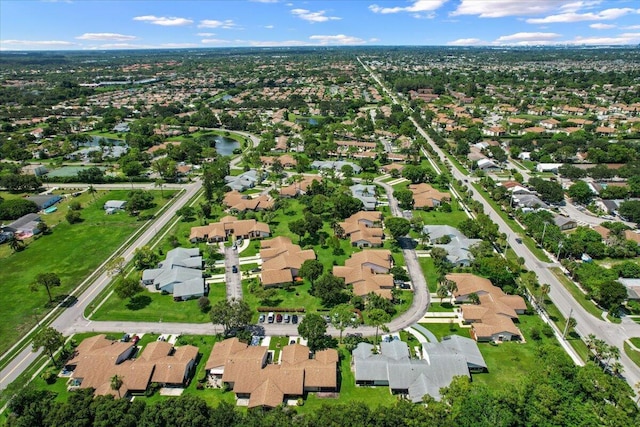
(89, 24)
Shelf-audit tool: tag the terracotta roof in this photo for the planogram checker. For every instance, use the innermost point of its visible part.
(279, 257)
(229, 225)
(424, 195)
(222, 350)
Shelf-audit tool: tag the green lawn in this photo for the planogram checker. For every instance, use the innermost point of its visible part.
(430, 273)
(437, 217)
(633, 355)
(635, 341)
(71, 251)
(349, 392)
(577, 294)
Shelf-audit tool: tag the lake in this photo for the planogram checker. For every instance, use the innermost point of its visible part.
(225, 146)
(95, 141)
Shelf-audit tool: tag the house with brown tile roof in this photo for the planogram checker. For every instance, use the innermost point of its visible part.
(239, 202)
(299, 188)
(425, 196)
(98, 359)
(367, 272)
(286, 160)
(246, 371)
(230, 226)
(492, 319)
(363, 229)
(281, 260)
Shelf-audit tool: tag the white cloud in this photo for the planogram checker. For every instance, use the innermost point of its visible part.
(318, 16)
(631, 27)
(179, 45)
(205, 34)
(214, 41)
(125, 46)
(227, 24)
(105, 36)
(622, 39)
(417, 6)
(601, 26)
(163, 20)
(518, 37)
(265, 1)
(466, 42)
(35, 43)
(604, 15)
(501, 8)
(269, 27)
(268, 43)
(339, 39)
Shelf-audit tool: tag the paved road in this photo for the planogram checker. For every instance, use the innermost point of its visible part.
(233, 280)
(613, 334)
(75, 314)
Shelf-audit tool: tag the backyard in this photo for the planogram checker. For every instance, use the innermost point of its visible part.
(69, 251)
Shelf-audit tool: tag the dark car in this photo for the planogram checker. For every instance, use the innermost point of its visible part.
(279, 318)
(294, 318)
(234, 269)
(261, 318)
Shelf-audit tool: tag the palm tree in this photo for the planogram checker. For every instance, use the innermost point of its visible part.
(442, 292)
(92, 190)
(474, 298)
(378, 317)
(116, 383)
(544, 291)
(160, 183)
(452, 287)
(15, 244)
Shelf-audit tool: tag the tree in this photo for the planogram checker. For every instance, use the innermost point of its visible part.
(630, 210)
(48, 280)
(139, 200)
(160, 183)
(15, 244)
(298, 227)
(442, 292)
(312, 328)
(48, 339)
(398, 227)
(92, 190)
(378, 318)
(399, 273)
(474, 298)
(580, 192)
(311, 269)
(330, 289)
(405, 198)
(127, 287)
(545, 288)
(16, 208)
(342, 317)
(73, 217)
(116, 383)
(43, 227)
(611, 295)
(204, 304)
(186, 212)
(231, 314)
(144, 258)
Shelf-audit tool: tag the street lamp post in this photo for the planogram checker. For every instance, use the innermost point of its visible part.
(559, 247)
(544, 230)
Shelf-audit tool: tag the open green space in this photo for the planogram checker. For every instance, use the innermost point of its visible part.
(632, 354)
(635, 341)
(576, 293)
(430, 273)
(439, 217)
(349, 392)
(73, 251)
(297, 296)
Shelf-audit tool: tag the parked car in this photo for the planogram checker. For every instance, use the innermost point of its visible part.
(125, 338)
(292, 342)
(279, 318)
(287, 318)
(270, 317)
(294, 319)
(261, 318)
(234, 269)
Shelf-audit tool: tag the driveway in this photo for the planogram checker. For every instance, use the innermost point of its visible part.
(233, 280)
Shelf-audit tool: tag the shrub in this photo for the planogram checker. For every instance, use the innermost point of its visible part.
(204, 304)
(75, 206)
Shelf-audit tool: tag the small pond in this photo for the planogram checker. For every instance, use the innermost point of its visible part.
(225, 146)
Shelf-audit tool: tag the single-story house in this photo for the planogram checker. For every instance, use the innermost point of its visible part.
(564, 222)
(179, 274)
(364, 229)
(366, 194)
(548, 167)
(248, 179)
(25, 225)
(241, 202)
(114, 205)
(458, 252)
(425, 196)
(97, 359)
(415, 378)
(487, 165)
(367, 272)
(492, 319)
(633, 288)
(230, 226)
(245, 370)
(45, 201)
(281, 260)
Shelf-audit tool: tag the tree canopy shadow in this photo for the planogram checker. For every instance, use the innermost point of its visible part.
(138, 302)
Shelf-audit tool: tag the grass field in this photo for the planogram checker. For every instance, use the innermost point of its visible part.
(71, 251)
(577, 294)
(633, 354)
(429, 271)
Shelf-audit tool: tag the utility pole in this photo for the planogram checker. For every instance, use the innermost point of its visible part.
(544, 230)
